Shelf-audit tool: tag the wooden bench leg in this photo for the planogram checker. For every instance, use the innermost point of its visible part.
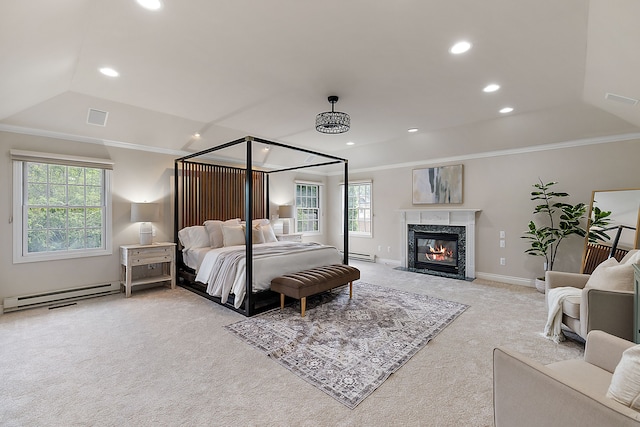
(281, 302)
(303, 304)
(350, 289)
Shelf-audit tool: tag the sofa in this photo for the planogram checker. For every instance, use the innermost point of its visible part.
(567, 393)
(606, 300)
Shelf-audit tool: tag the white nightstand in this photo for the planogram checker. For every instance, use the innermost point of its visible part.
(157, 253)
(293, 237)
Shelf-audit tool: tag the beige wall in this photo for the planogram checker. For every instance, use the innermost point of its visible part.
(137, 177)
(500, 187)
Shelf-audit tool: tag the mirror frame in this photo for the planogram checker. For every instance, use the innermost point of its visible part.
(586, 238)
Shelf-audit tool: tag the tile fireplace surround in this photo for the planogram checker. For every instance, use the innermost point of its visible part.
(445, 217)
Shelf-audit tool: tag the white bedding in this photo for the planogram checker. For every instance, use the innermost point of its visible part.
(293, 257)
(193, 257)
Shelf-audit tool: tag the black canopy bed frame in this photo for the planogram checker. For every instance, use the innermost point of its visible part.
(204, 191)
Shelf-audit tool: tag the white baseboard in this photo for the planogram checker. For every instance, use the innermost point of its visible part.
(519, 281)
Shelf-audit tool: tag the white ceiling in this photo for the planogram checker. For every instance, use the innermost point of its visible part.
(231, 68)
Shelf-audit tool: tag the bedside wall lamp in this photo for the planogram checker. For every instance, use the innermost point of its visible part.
(145, 213)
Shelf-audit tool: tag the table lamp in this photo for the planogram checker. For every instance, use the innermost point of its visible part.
(145, 213)
(285, 212)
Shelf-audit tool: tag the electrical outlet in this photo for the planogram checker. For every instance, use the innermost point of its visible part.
(379, 248)
(502, 243)
(389, 249)
(503, 261)
(502, 234)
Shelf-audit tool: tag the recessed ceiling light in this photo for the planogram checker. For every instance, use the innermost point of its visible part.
(107, 71)
(150, 4)
(196, 135)
(460, 47)
(491, 88)
(506, 110)
(412, 130)
(350, 143)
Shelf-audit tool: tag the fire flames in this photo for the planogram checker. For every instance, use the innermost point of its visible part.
(439, 253)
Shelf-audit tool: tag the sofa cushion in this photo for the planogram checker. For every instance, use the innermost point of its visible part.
(625, 382)
(571, 306)
(611, 275)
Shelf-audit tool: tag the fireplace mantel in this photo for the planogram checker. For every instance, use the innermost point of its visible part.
(443, 216)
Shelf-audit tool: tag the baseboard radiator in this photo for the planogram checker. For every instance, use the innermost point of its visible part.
(59, 297)
(361, 256)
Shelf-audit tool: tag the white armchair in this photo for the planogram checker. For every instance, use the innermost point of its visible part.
(605, 308)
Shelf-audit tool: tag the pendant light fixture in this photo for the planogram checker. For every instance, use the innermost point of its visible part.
(333, 121)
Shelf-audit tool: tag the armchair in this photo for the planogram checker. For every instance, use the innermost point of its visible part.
(606, 308)
(567, 393)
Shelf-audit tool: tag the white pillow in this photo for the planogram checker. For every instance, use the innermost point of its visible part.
(257, 235)
(262, 221)
(611, 275)
(625, 381)
(233, 235)
(214, 228)
(194, 237)
(632, 257)
(269, 235)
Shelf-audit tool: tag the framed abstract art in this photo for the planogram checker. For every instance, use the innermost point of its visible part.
(439, 185)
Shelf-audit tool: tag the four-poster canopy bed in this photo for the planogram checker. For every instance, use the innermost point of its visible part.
(218, 202)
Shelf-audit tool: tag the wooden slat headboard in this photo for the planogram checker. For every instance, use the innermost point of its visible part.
(208, 191)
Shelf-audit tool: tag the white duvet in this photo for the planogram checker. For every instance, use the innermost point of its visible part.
(291, 257)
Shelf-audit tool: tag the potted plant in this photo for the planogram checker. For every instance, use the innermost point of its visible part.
(559, 221)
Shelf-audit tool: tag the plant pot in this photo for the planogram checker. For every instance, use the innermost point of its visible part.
(540, 284)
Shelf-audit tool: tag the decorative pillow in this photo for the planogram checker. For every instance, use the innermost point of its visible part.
(269, 235)
(262, 221)
(257, 235)
(632, 257)
(233, 235)
(214, 228)
(194, 237)
(625, 382)
(612, 276)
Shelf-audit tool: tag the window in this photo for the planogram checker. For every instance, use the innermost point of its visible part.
(307, 208)
(359, 208)
(62, 207)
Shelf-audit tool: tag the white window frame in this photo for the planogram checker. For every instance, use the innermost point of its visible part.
(320, 201)
(358, 233)
(19, 219)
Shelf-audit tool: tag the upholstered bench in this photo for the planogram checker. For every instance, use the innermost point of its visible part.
(313, 281)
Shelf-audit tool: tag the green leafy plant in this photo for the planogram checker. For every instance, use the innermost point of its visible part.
(561, 221)
(597, 227)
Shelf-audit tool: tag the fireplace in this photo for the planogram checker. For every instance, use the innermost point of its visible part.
(437, 249)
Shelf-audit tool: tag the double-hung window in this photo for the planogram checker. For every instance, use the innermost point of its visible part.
(308, 207)
(61, 206)
(359, 208)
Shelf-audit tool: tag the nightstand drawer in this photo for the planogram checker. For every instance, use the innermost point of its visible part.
(143, 260)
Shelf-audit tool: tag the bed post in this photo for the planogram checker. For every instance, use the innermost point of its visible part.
(345, 213)
(248, 212)
(176, 214)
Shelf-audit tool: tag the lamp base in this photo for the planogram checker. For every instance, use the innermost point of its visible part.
(146, 233)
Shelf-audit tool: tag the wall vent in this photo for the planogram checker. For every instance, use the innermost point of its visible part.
(620, 98)
(97, 117)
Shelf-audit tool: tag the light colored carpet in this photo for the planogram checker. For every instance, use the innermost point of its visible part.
(162, 357)
(347, 347)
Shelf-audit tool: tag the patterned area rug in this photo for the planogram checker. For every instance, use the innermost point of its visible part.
(349, 347)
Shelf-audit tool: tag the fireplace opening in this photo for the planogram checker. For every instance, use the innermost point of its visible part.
(436, 251)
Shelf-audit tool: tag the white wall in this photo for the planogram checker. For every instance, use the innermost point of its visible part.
(500, 187)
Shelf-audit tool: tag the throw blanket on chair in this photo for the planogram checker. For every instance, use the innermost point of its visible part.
(555, 298)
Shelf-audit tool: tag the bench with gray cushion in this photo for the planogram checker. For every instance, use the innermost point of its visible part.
(305, 283)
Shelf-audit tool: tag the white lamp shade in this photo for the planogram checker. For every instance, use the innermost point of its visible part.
(145, 212)
(285, 211)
